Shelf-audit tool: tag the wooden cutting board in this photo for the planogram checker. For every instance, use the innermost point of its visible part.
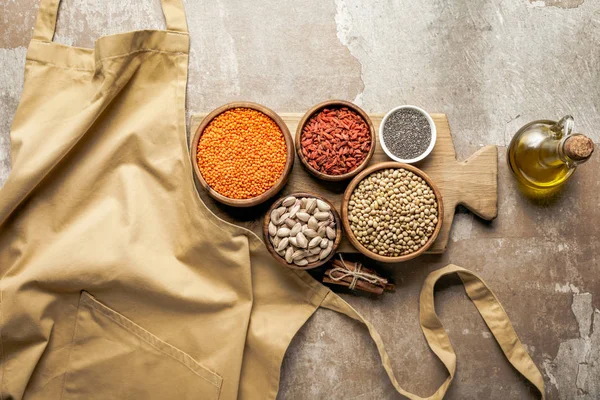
(472, 183)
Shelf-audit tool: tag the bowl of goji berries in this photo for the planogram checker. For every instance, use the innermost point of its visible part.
(335, 140)
(242, 154)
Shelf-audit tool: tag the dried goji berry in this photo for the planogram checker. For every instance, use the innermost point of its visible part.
(335, 141)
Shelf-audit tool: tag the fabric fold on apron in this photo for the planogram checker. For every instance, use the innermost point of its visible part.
(117, 281)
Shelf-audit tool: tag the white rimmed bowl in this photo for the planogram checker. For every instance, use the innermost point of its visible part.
(431, 144)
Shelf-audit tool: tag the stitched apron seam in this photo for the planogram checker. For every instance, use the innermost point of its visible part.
(62, 392)
(59, 66)
(141, 51)
(141, 31)
(93, 50)
(179, 125)
(100, 61)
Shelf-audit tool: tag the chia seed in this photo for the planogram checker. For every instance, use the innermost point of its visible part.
(407, 133)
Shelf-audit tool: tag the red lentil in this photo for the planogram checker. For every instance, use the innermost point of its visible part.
(335, 141)
(242, 153)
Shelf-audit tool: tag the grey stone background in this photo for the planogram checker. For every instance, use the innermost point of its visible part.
(492, 66)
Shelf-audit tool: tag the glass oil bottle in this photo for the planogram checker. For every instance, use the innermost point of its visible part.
(544, 154)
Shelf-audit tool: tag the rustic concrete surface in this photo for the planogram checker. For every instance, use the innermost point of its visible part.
(491, 66)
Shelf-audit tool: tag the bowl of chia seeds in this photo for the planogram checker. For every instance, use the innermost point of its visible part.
(407, 134)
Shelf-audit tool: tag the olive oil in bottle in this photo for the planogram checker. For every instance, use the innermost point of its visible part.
(544, 154)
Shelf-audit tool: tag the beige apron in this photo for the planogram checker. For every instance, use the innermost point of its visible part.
(117, 282)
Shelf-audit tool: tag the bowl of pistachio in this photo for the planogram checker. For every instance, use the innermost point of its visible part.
(392, 212)
(302, 230)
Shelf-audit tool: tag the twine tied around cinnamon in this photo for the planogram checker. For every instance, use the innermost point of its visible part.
(356, 274)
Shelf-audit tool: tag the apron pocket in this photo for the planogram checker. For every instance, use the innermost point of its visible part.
(114, 358)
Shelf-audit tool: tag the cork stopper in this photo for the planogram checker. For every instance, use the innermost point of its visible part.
(578, 147)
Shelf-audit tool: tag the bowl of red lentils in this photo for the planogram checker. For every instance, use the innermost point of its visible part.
(242, 154)
(335, 140)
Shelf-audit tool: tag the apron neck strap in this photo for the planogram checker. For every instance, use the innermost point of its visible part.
(488, 306)
(45, 24)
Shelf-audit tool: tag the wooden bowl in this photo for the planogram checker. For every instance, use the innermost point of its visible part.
(334, 104)
(350, 233)
(281, 260)
(282, 179)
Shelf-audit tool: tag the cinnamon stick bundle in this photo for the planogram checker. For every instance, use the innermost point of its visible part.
(355, 276)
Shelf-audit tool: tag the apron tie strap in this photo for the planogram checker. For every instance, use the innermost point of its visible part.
(45, 24)
(488, 306)
(174, 15)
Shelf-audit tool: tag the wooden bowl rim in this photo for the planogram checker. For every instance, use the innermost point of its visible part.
(289, 156)
(333, 104)
(269, 245)
(350, 234)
